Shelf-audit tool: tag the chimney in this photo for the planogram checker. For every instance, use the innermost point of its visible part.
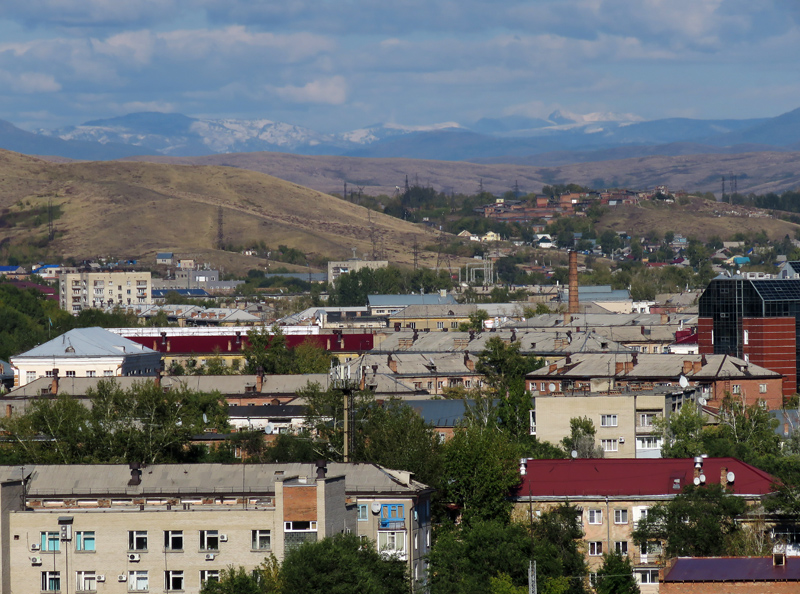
(375, 369)
(322, 468)
(238, 339)
(703, 361)
(634, 359)
(157, 379)
(469, 363)
(687, 367)
(569, 359)
(136, 474)
(9, 409)
(723, 477)
(619, 366)
(641, 329)
(513, 335)
(471, 335)
(392, 363)
(553, 367)
(415, 337)
(54, 383)
(259, 379)
(574, 306)
(628, 366)
(697, 366)
(163, 339)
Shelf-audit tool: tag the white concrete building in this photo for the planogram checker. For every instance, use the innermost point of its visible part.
(87, 290)
(86, 352)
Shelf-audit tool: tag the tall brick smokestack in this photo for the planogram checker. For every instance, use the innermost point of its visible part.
(573, 283)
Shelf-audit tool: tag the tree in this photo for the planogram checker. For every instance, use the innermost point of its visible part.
(480, 468)
(683, 432)
(616, 576)
(581, 439)
(476, 320)
(342, 564)
(465, 558)
(557, 535)
(266, 579)
(699, 522)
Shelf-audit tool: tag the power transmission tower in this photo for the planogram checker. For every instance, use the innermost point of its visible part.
(723, 188)
(345, 190)
(415, 251)
(219, 229)
(480, 186)
(50, 230)
(516, 189)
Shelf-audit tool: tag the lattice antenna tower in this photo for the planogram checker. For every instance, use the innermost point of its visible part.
(723, 187)
(415, 251)
(50, 229)
(219, 228)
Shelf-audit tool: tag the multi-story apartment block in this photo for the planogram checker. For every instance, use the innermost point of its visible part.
(171, 528)
(611, 496)
(87, 290)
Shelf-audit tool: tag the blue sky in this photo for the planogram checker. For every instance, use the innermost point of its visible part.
(336, 65)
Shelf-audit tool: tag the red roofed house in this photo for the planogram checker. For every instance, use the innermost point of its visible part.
(613, 494)
(721, 575)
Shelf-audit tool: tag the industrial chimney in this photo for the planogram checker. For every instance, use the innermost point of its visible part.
(574, 308)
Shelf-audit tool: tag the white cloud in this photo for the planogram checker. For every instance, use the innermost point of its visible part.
(30, 82)
(331, 90)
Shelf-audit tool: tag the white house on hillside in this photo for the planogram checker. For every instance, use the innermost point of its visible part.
(85, 352)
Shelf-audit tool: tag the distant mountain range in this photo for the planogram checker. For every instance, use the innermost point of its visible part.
(561, 138)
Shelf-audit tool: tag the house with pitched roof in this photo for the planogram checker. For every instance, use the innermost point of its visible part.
(86, 352)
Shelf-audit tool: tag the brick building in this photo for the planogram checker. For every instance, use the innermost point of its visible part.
(726, 575)
(753, 319)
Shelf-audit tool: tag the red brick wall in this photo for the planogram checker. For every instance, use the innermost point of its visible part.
(299, 503)
(751, 389)
(705, 328)
(771, 344)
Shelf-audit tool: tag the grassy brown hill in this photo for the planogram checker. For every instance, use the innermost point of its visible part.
(134, 209)
(758, 172)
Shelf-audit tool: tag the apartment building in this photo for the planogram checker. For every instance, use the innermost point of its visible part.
(98, 290)
(611, 496)
(171, 528)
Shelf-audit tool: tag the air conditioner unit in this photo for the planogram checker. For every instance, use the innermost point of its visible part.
(36, 560)
(101, 578)
(210, 556)
(134, 557)
(122, 577)
(34, 547)
(223, 538)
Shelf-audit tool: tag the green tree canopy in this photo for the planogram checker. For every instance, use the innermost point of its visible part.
(616, 576)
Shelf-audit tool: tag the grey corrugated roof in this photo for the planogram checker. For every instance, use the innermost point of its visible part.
(86, 342)
(186, 479)
(405, 300)
(665, 366)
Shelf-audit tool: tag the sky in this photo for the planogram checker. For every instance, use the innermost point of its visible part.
(338, 65)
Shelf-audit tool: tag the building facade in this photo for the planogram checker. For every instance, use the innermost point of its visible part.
(98, 290)
(170, 528)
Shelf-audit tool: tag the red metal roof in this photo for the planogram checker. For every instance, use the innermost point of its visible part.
(732, 569)
(224, 344)
(634, 476)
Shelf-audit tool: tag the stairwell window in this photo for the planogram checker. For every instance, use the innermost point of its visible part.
(51, 581)
(736, 389)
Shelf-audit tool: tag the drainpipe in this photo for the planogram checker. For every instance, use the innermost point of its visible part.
(608, 526)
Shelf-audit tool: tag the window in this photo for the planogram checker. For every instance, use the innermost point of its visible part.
(209, 575)
(363, 514)
(746, 337)
(137, 581)
(762, 388)
(70, 374)
(609, 445)
(30, 376)
(50, 541)
(173, 580)
(91, 373)
(650, 442)
(608, 420)
(595, 516)
(51, 581)
(173, 540)
(595, 548)
(392, 515)
(620, 516)
(261, 540)
(392, 542)
(439, 325)
(411, 325)
(736, 389)
(137, 540)
(648, 576)
(646, 419)
(108, 373)
(86, 580)
(621, 547)
(209, 540)
(532, 422)
(48, 373)
(84, 541)
(454, 325)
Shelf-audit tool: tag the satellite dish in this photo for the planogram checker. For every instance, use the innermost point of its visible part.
(551, 386)
(730, 476)
(702, 478)
(269, 428)
(702, 401)
(574, 453)
(684, 383)
(697, 481)
(205, 418)
(376, 507)
(178, 423)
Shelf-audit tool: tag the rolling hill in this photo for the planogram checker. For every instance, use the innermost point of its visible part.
(133, 209)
